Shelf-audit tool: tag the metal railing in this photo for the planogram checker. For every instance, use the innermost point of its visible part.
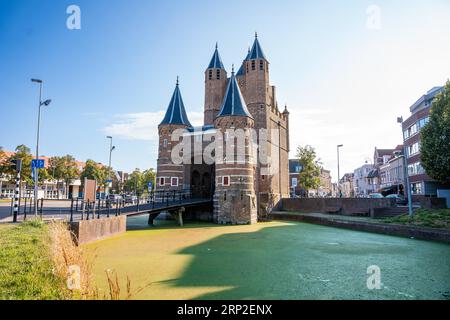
(78, 209)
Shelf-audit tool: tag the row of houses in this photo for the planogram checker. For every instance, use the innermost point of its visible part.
(325, 189)
(386, 174)
(51, 189)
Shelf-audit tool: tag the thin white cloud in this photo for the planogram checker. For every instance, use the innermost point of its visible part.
(143, 125)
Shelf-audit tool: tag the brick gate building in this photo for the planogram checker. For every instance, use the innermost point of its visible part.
(248, 186)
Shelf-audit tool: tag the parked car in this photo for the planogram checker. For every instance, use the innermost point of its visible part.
(130, 199)
(399, 199)
(115, 197)
(376, 196)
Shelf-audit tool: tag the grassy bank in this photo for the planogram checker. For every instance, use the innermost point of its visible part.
(26, 264)
(432, 218)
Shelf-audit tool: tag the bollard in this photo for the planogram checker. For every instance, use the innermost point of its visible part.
(42, 205)
(88, 211)
(71, 210)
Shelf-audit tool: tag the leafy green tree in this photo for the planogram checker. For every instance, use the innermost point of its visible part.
(149, 176)
(94, 171)
(435, 138)
(23, 153)
(3, 161)
(309, 176)
(64, 169)
(138, 181)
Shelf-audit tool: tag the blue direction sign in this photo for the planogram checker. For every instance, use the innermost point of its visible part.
(150, 186)
(38, 163)
(109, 181)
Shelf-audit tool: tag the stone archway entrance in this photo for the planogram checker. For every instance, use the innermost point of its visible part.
(201, 179)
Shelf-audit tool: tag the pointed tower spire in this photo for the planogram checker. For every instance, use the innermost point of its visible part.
(241, 69)
(176, 113)
(256, 52)
(216, 61)
(233, 102)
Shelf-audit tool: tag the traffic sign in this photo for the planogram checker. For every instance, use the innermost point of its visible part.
(38, 163)
(109, 181)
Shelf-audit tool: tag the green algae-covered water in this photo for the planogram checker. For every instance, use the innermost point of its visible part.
(277, 260)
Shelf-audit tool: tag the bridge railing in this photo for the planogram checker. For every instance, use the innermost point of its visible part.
(78, 209)
(158, 199)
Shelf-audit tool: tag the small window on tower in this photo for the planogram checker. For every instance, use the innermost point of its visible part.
(261, 65)
(218, 75)
(253, 65)
(161, 181)
(210, 75)
(165, 142)
(226, 181)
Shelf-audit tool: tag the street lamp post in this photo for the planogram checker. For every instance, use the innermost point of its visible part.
(111, 149)
(36, 170)
(338, 167)
(407, 187)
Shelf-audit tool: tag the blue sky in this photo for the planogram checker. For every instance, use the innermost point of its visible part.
(343, 81)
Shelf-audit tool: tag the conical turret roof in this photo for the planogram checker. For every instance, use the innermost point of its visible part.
(233, 103)
(176, 113)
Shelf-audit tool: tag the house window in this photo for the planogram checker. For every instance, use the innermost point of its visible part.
(174, 182)
(413, 149)
(226, 181)
(416, 188)
(161, 181)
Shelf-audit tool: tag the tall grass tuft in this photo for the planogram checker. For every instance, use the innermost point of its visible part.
(66, 253)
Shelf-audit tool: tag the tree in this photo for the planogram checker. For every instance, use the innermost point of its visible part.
(309, 176)
(64, 169)
(149, 176)
(94, 171)
(23, 153)
(138, 181)
(435, 138)
(3, 161)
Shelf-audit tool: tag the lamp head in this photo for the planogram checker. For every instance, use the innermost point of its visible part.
(36, 80)
(46, 102)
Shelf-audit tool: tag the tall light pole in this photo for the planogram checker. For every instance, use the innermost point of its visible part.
(111, 149)
(339, 172)
(36, 170)
(405, 170)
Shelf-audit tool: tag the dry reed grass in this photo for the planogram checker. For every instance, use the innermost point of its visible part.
(65, 253)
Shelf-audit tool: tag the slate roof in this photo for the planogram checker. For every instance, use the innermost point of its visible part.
(216, 61)
(176, 113)
(233, 103)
